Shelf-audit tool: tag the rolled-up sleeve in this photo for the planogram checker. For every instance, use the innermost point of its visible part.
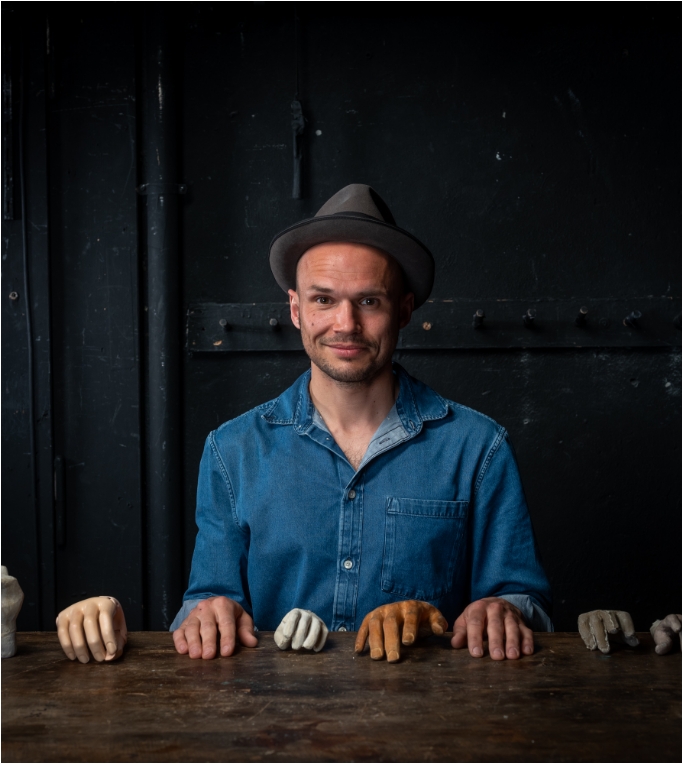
(219, 563)
(505, 560)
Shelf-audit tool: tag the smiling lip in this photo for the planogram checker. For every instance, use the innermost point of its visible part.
(348, 351)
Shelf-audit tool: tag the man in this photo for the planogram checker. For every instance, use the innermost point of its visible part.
(360, 493)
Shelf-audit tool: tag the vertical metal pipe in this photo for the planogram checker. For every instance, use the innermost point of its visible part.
(160, 231)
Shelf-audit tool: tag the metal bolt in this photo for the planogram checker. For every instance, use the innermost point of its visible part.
(580, 320)
(529, 317)
(274, 323)
(478, 319)
(14, 295)
(632, 319)
(224, 324)
(426, 326)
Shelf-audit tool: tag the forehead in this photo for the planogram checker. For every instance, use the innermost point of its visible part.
(344, 262)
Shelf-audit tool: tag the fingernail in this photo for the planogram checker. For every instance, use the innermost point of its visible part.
(497, 653)
(375, 653)
(513, 652)
(393, 656)
(477, 651)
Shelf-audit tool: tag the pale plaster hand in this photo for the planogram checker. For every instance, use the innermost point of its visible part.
(301, 628)
(97, 623)
(498, 621)
(387, 626)
(12, 598)
(664, 633)
(597, 626)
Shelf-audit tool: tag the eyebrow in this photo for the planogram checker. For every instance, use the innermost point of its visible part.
(366, 293)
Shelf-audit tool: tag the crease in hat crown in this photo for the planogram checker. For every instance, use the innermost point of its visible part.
(358, 214)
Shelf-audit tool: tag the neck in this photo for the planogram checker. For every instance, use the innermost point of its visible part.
(352, 406)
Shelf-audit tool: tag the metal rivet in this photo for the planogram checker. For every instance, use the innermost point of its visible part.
(580, 319)
(352, 494)
(426, 326)
(274, 323)
(632, 319)
(342, 628)
(478, 319)
(224, 324)
(14, 295)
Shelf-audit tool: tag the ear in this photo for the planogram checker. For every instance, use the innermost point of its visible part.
(406, 308)
(294, 308)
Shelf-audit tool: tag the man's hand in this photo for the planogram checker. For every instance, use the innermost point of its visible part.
(197, 634)
(383, 627)
(97, 623)
(664, 633)
(596, 626)
(501, 622)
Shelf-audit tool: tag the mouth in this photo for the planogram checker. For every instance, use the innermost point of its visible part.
(343, 350)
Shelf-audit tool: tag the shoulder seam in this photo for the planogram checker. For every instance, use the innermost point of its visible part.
(502, 433)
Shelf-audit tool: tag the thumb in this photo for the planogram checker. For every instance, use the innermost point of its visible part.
(459, 639)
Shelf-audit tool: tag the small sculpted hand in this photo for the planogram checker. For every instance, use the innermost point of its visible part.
(301, 628)
(97, 623)
(198, 633)
(502, 622)
(382, 627)
(596, 625)
(664, 633)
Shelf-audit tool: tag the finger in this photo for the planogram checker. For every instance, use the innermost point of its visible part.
(475, 633)
(585, 631)
(194, 641)
(313, 634)
(495, 628)
(673, 621)
(179, 641)
(459, 638)
(321, 639)
(627, 629)
(227, 628)
(513, 637)
(301, 630)
(663, 639)
(64, 639)
(289, 623)
(208, 632)
(362, 636)
(609, 618)
(597, 628)
(91, 626)
(106, 623)
(410, 624)
(245, 629)
(77, 637)
(438, 623)
(376, 639)
(392, 639)
(527, 639)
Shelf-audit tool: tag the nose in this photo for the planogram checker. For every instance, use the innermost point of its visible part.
(345, 320)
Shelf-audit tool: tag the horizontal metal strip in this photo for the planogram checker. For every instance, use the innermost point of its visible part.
(455, 324)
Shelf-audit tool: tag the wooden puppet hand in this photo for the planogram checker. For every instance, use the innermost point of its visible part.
(301, 628)
(664, 633)
(382, 627)
(198, 633)
(97, 623)
(596, 625)
(501, 622)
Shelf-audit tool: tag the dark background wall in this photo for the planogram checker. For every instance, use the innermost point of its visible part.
(535, 150)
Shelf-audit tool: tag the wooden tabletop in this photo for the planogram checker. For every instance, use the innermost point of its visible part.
(562, 704)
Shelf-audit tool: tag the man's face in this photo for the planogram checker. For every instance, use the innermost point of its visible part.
(349, 304)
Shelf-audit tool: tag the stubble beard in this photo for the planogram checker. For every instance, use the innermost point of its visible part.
(346, 372)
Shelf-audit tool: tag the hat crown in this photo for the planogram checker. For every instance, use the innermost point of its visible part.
(357, 198)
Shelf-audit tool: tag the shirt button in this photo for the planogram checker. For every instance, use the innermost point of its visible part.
(342, 628)
(348, 564)
(352, 494)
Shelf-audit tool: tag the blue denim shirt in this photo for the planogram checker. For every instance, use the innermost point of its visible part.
(435, 512)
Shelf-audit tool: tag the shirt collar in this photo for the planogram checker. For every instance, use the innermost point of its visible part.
(416, 403)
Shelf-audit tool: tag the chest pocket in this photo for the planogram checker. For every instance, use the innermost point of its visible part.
(423, 540)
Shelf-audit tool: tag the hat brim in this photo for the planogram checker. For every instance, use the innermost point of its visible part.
(416, 260)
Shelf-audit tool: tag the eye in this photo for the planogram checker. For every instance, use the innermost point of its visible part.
(322, 300)
(370, 301)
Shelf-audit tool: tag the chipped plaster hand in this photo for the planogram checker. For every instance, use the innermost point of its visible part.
(664, 633)
(12, 599)
(97, 623)
(382, 627)
(301, 628)
(596, 625)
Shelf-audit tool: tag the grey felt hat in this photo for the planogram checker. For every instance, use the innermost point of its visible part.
(358, 214)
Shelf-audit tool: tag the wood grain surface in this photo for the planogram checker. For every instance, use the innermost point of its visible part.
(564, 703)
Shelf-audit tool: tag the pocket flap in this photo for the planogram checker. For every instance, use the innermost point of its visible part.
(427, 507)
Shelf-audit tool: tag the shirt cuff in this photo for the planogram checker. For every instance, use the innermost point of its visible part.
(184, 611)
(536, 618)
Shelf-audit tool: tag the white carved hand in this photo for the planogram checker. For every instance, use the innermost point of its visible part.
(596, 625)
(301, 628)
(664, 633)
(12, 598)
(97, 623)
